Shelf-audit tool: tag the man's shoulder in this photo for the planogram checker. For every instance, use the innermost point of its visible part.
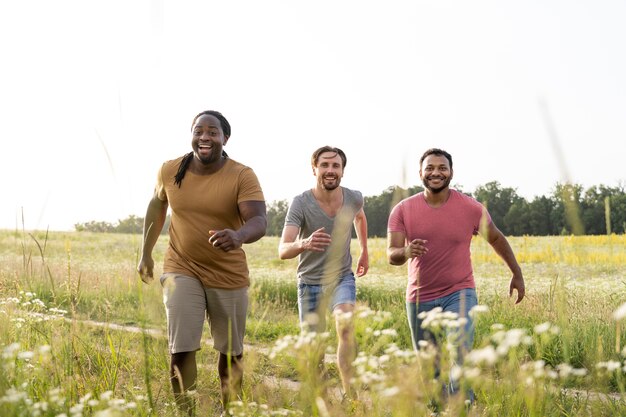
(464, 197)
(354, 193)
(172, 164)
(304, 196)
(412, 199)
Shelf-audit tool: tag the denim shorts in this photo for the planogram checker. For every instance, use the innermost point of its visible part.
(460, 302)
(315, 300)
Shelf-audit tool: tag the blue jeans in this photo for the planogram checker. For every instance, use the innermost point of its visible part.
(460, 302)
(315, 300)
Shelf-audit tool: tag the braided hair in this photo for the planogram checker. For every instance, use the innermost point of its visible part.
(186, 161)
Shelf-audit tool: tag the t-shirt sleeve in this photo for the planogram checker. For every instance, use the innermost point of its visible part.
(482, 216)
(249, 187)
(159, 189)
(358, 201)
(294, 215)
(396, 220)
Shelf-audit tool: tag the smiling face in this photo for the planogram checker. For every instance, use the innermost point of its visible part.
(328, 170)
(207, 139)
(436, 173)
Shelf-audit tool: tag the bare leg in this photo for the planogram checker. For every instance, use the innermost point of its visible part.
(183, 374)
(346, 348)
(231, 375)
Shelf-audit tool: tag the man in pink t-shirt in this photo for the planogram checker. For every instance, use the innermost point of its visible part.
(433, 230)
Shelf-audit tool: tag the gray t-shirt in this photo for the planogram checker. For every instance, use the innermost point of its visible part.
(336, 261)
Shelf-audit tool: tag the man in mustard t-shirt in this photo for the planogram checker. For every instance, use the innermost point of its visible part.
(216, 206)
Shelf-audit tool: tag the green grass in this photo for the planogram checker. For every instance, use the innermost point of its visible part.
(54, 363)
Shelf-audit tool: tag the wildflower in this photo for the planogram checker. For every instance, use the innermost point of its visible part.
(10, 350)
(485, 355)
(25, 356)
(610, 366)
(478, 309)
(390, 392)
(620, 313)
(456, 372)
(472, 373)
(542, 328)
(13, 396)
(390, 332)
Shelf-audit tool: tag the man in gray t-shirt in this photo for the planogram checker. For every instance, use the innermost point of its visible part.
(318, 229)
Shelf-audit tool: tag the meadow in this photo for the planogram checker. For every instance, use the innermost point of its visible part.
(80, 335)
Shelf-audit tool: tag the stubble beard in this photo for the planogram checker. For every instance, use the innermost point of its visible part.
(334, 185)
(433, 190)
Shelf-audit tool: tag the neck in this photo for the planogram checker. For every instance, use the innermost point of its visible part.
(322, 194)
(436, 199)
(199, 167)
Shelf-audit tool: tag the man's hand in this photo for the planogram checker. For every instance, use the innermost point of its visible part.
(415, 249)
(225, 240)
(362, 265)
(317, 242)
(146, 269)
(517, 283)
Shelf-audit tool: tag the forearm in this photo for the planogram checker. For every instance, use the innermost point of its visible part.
(502, 247)
(360, 226)
(289, 250)
(398, 255)
(153, 224)
(253, 229)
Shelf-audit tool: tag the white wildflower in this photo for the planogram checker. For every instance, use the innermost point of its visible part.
(478, 309)
(390, 392)
(542, 328)
(485, 355)
(620, 313)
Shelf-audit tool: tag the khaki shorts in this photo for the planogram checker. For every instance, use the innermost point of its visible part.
(188, 303)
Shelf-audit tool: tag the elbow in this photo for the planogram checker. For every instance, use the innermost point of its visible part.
(393, 260)
(282, 253)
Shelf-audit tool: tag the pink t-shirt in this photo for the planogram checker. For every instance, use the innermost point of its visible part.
(447, 266)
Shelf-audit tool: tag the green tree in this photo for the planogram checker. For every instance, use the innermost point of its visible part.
(540, 217)
(276, 213)
(131, 224)
(377, 208)
(517, 218)
(94, 226)
(566, 214)
(498, 202)
(618, 213)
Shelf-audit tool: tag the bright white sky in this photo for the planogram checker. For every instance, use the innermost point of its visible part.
(95, 95)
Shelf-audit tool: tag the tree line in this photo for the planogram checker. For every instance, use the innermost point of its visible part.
(569, 209)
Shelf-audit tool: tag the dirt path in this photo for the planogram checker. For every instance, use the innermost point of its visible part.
(295, 386)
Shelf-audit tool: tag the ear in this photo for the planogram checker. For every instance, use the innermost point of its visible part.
(226, 139)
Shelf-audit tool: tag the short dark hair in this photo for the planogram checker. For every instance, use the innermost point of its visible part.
(438, 152)
(316, 155)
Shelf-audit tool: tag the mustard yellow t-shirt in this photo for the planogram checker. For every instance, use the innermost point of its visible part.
(203, 203)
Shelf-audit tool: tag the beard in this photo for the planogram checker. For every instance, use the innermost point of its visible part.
(330, 186)
(439, 189)
(214, 155)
